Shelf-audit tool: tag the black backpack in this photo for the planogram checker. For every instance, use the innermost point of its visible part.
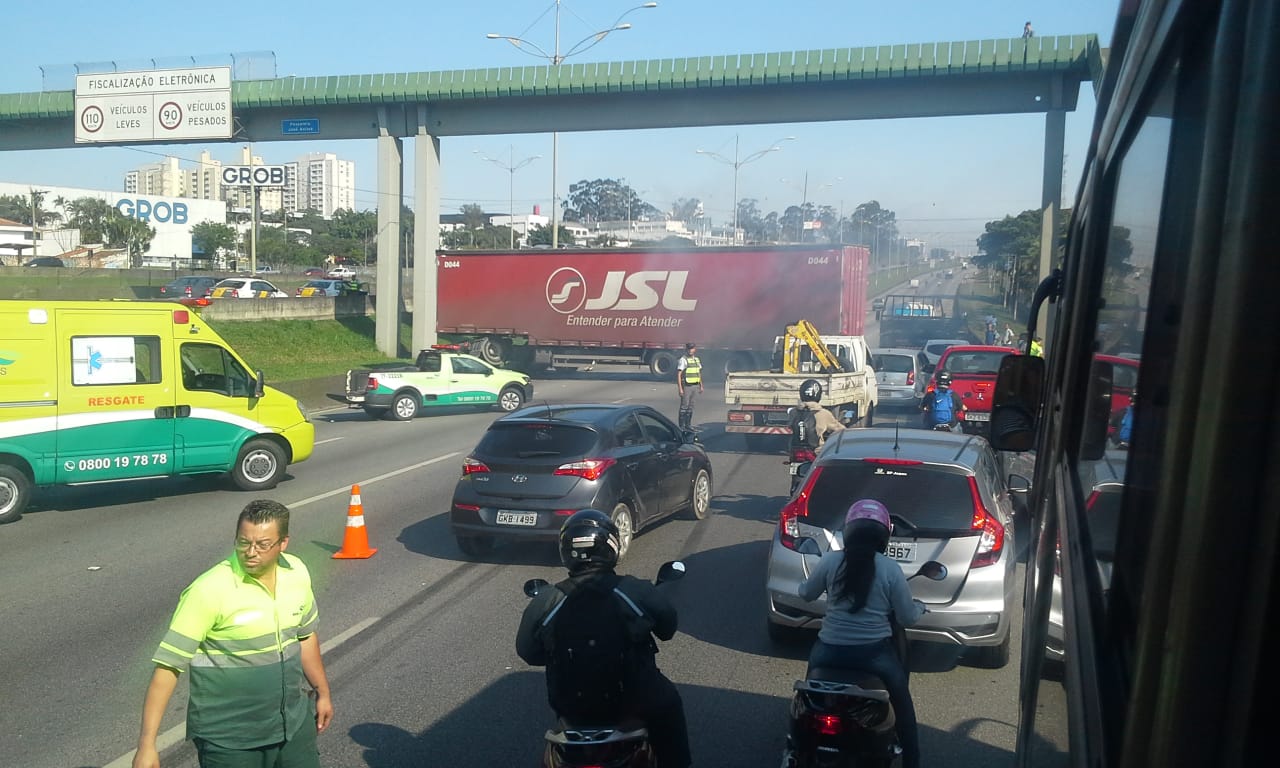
(804, 428)
(591, 651)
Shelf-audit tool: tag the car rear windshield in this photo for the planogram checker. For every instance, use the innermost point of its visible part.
(974, 362)
(938, 349)
(917, 495)
(525, 441)
(893, 363)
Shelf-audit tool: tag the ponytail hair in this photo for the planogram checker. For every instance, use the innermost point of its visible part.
(862, 540)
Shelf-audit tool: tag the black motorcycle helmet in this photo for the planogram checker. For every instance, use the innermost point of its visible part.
(588, 541)
(811, 391)
(944, 379)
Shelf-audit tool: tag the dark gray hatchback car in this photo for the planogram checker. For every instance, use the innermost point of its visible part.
(950, 501)
(535, 467)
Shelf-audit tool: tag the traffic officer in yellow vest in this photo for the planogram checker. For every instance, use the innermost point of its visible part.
(689, 382)
(246, 630)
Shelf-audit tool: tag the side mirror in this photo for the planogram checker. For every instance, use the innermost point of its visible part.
(1097, 414)
(533, 586)
(488, 371)
(259, 384)
(1019, 387)
(672, 571)
(933, 570)
(929, 368)
(807, 546)
(1019, 484)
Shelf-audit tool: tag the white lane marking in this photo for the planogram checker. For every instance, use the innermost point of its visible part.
(372, 480)
(623, 400)
(330, 440)
(178, 733)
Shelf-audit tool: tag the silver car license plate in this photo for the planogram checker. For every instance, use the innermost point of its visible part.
(507, 517)
(902, 551)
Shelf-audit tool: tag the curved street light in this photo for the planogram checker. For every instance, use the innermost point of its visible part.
(555, 57)
(737, 163)
(510, 167)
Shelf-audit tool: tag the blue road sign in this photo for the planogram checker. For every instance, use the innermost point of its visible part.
(301, 126)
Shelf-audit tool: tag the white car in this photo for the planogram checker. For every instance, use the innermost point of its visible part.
(341, 273)
(246, 288)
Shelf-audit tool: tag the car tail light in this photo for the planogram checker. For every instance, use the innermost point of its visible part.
(371, 383)
(803, 454)
(739, 417)
(587, 469)
(472, 466)
(297, 292)
(991, 542)
(911, 377)
(789, 519)
(467, 507)
(894, 462)
(564, 512)
(188, 291)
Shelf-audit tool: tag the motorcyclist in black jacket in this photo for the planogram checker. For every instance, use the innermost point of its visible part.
(589, 549)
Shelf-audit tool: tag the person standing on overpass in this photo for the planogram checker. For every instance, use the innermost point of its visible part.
(688, 382)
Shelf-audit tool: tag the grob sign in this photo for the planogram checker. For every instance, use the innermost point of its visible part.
(253, 176)
(154, 105)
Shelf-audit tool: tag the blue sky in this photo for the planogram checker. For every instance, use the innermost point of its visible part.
(945, 177)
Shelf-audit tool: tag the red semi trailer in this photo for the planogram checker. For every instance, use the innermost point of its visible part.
(642, 305)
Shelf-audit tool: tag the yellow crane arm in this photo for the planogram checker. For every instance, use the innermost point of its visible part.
(801, 334)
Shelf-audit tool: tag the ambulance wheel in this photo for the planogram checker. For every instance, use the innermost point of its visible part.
(15, 492)
(510, 399)
(259, 467)
(404, 406)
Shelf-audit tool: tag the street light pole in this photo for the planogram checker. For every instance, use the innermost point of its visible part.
(556, 58)
(511, 167)
(737, 164)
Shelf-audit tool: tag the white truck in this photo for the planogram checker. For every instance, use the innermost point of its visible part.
(760, 401)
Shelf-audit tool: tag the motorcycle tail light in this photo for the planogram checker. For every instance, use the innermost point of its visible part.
(826, 723)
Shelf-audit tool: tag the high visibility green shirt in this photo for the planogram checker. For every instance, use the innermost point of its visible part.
(241, 644)
(691, 369)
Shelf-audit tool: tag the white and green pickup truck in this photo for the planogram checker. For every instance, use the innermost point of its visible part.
(438, 378)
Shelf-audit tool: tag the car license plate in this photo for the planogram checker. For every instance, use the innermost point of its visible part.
(794, 469)
(976, 416)
(902, 551)
(507, 517)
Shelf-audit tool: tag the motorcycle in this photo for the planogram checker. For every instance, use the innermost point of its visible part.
(798, 464)
(623, 743)
(843, 717)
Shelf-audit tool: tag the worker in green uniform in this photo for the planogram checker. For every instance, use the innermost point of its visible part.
(688, 382)
(246, 631)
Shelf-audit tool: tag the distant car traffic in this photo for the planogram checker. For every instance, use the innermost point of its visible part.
(246, 288)
(341, 273)
(950, 502)
(326, 287)
(313, 272)
(538, 465)
(190, 287)
(45, 261)
(933, 348)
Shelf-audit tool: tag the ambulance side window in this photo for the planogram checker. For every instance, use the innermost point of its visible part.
(115, 360)
(210, 368)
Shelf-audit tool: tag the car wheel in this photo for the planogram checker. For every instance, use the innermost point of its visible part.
(259, 467)
(375, 413)
(993, 656)
(700, 495)
(404, 406)
(626, 525)
(475, 546)
(510, 399)
(15, 492)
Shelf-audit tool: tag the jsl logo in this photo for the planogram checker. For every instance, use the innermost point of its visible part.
(567, 291)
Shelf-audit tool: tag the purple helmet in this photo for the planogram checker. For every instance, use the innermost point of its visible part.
(869, 509)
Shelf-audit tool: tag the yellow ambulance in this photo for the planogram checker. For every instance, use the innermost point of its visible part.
(99, 391)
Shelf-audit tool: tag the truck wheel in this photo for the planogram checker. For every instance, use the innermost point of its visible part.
(870, 418)
(259, 467)
(404, 405)
(374, 413)
(489, 350)
(510, 399)
(662, 364)
(15, 492)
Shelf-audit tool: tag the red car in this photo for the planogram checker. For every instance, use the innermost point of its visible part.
(973, 371)
(313, 272)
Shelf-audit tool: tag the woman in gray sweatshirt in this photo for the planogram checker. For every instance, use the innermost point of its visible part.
(864, 587)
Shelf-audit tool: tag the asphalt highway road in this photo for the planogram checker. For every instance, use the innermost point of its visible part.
(418, 639)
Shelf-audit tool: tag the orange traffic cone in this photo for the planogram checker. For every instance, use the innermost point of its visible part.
(355, 544)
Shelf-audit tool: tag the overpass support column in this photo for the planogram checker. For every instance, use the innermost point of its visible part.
(426, 232)
(1055, 125)
(390, 193)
